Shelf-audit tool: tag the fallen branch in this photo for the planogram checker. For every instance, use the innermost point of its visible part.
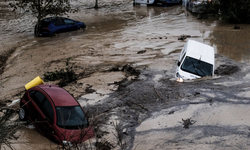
(158, 94)
(138, 105)
(123, 95)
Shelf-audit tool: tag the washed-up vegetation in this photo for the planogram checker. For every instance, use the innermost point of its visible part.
(64, 75)
(226, 69)
(128, 68)
(7, 129)
(230, 10)
(187, 122)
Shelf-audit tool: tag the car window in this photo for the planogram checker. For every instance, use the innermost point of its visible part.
(37, 97)
(48, 110)
(58, 22)
(44, 24)
(71, 117)
(67, 21)
(43, 103)
(31, 93)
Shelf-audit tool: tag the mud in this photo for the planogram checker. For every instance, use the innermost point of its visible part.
(125, 62)
(226, 70)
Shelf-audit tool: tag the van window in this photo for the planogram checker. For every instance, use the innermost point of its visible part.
(197, 67)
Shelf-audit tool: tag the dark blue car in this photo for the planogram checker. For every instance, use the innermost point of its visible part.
(54, 25)
(168, 2)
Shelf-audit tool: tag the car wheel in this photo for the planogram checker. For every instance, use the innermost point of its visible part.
(81, 28)
(22, 114)
(54, 34)
(36, 31)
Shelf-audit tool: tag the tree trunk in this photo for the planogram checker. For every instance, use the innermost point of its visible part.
(96, 3)
(38, 25)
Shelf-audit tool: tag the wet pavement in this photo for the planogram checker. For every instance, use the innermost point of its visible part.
(149, 108)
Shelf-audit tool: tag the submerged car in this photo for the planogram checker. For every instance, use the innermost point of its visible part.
(54, 25)
(196, 61)
(197, 6)
(143, 2)
(156, 2)
(55, 114)
(167, 2)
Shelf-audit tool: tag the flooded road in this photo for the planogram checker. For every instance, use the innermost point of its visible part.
(152, 106)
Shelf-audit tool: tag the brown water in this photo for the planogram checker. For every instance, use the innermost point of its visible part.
(234, 44)
(114, 35)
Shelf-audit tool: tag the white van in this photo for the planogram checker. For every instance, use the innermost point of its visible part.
(196, 61)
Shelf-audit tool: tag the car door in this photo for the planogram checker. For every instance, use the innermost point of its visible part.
(41, 113)
(71, 25)
(48, 111)
(60, 26)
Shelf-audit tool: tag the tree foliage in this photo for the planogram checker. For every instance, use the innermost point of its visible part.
(234, 11)
(42, 8)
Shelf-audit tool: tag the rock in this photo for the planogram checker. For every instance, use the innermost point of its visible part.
(141, 52)
(183, 37)
(236, 27)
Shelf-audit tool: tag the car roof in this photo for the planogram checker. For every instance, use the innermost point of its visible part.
(49, 19)
(200, 51)
(58, 95)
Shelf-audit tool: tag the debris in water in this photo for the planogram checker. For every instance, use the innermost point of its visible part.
(130, 70)
(171, 112)
(236, 27)
(183, 37)
(89, 89)
(65, 76)
(187, 123)
(141, 52)
(226, 70)
(31, 126)
(14, 102)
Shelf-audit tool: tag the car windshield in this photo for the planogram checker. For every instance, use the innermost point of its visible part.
(71, 117)
(197, 67)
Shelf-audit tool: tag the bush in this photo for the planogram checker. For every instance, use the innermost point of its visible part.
(233, 11)
(65, 76)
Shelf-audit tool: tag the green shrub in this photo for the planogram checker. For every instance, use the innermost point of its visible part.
(65, 76)
(233, 11)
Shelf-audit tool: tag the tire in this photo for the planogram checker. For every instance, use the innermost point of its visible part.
(37, 30)
(81, 28)
(54, 34)
(22, 114)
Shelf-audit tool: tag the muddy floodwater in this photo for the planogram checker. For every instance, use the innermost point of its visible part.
(144, 99)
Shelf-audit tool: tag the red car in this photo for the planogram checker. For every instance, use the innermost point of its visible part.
(55, 114)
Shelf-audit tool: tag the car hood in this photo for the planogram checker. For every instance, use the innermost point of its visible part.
(75, 136)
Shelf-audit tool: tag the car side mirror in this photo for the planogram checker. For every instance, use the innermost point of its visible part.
(178, 64)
